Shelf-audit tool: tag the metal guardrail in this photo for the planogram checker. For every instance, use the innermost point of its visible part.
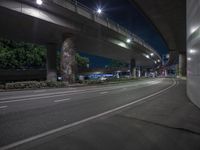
(81, 9)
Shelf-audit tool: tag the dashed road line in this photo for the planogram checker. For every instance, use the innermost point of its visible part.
(103, 93)
(3, 107)
(62, 100)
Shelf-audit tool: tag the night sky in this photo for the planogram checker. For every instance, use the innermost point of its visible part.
(130, 17)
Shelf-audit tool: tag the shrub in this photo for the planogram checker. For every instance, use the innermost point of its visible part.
(34, 84)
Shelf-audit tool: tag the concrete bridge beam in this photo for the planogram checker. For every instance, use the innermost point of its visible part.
(68, 62)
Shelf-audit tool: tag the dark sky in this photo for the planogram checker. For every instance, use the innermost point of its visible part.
(127, 15)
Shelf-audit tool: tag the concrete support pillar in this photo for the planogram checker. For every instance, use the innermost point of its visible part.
(139, 72)
(51, 62)
(146, 74)
(68, 62)
(182, 64)
(133, 68)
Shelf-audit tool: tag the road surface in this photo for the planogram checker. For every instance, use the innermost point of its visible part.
(116, 116)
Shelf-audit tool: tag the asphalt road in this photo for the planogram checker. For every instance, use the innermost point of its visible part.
(60, 118)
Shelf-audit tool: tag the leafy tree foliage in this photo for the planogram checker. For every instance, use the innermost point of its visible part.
(82, 62)
(20, 55)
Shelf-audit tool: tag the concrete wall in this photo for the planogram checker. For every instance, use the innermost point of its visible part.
(193, 50)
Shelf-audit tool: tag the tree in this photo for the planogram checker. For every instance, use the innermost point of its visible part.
(82, 62)
(20, 55)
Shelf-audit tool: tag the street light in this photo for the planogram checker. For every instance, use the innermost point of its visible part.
(147, 56)
(128, 40)
(152, 54)
(192, 51)
(99, 10)
(39, 2)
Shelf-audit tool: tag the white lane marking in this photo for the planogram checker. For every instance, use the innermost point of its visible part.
(62, 100)
(103, 93)
(44, 96)
(38, 95)
(3, 107)
(42, 135)
(75, 91)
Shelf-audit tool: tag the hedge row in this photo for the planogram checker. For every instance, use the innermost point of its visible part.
(45, 84)
(32, 84)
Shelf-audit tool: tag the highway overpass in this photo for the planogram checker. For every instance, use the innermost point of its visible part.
(179, 24)
(168, 17)
(61, 24)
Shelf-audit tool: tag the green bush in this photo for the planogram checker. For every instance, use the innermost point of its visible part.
(23, 85)
(34, 84)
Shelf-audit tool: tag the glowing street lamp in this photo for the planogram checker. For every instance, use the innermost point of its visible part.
(128, 40)
(147, 56)
(152, 54)
(192, 51)
(99, 10)
(39, 2)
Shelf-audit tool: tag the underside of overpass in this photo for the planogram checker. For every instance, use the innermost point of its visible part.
(178, 22)
(169, 19)
(58, 27)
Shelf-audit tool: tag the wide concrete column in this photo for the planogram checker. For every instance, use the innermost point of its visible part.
(133, 68)
(68, 62)
(51, 62)
(182, 64)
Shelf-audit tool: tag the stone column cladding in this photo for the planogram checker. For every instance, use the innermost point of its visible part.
(133, 68)
(182, 64)
(51, 62)
(68, 62)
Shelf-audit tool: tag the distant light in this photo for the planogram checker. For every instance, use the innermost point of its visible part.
(152, 54)
(39, 2)
(122, 44)
(158, 60)
(128, 40)
(189, 59)
(147, 56)
(99, 10)
(155, 62)
(193, 29)
(192, 51)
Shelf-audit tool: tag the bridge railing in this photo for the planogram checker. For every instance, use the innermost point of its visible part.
(81, 9)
